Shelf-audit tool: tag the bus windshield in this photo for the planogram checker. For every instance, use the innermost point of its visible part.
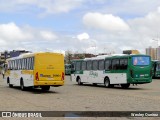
(140, 60)
(67, 66)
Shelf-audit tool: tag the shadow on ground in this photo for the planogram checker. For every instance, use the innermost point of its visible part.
(34, 90)
(115, 87)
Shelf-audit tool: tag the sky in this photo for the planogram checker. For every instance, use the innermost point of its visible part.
(90, 26)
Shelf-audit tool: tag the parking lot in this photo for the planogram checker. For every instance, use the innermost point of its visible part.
(72, 97)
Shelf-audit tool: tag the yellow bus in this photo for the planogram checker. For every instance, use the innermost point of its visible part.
(35, 70)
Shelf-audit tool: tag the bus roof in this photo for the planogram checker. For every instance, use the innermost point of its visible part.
(110, 56)
(24, 55)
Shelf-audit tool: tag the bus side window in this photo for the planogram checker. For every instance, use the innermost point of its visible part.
(123, 64)
(83, 65)
(29, 67)
(101, 65)
(25, 63)
(20, 64)
(30, 60)
(78, 65)
(108, 65)
(8, 65)
(19, 61)
(15, 64)
(11, 63)
(95, 65)
(115, 64)
(28, 63)
(89, 65)
(32, 63)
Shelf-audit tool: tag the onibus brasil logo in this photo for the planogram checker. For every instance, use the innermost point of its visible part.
(94, 74)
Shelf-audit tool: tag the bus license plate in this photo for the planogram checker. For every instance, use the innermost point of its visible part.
(50, 78)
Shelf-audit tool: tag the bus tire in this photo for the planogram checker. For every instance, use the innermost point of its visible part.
(45, 88)
(8, 82)
(79, 81)
(107, 83)
(94, 84)
(23, 88)
(125, 86)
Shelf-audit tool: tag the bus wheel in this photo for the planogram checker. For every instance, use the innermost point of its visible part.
(10, 85)
(107, 83)
(45, 88)
(79, 81)
(8, 81)
(22, 85)
(125, 85)
(95, 84)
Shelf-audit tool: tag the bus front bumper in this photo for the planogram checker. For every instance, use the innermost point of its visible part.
(140, 80)
(48, 83)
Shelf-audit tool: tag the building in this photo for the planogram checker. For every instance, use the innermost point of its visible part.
(4, 55)
(158, 53)
(131, 52)
(71, 56)
(16, 53)
(152, 52)
(9, 54)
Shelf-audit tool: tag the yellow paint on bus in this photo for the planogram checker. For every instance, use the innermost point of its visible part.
(49, 69)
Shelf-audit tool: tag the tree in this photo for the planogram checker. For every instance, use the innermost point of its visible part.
(81, 56)
(68, 57)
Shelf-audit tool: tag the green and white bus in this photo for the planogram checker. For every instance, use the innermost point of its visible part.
(113, 70)
(67, 69)
(156, 68)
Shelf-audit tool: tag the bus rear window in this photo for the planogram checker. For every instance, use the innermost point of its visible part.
(140, 60)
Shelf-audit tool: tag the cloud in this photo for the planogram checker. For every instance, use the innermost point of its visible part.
(128, 8)
(45, 6)
(139, 35)
(118, 25)
(105, 22)
(13, 36)
(47, 35)
(10, 31)
(59, 6)
(83, 36)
